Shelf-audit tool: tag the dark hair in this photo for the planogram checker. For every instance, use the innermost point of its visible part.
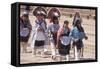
(66, 22)
(25, 16)
(77, 14)
(77, 22)
(53, 19)
(79, 28)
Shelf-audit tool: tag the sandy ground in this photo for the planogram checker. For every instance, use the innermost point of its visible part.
(89, 45)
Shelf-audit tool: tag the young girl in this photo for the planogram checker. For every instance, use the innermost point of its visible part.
(77, 35)
(76, 17)
(39, 32)
(25, 29)
(63, 41)
(53, 29)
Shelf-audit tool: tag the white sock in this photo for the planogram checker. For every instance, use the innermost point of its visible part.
(76, 53)
(53, 49)
(67, 57)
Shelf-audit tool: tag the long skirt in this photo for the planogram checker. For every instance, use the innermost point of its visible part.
(39, 43)
(63, 49)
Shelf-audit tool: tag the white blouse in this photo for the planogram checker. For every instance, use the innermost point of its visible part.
(39, 35)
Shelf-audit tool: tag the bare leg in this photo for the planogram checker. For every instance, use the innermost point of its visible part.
(42, 51)
(67, 57)
(24, 44)
(45, 49)
(60, 58)
(34, 51)
(76, 53)
(82, 51)
(21, 46)
(79, 53)
(53, 51)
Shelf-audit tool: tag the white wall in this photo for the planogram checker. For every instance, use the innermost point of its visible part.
(5, 25)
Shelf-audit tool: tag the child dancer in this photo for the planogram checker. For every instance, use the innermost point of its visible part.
(63, 41)
(76, 17)
(53, 29)
(77, 35)
(25, 29)
(39, 31)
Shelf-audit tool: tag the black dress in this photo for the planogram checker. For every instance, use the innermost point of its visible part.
(63, 49)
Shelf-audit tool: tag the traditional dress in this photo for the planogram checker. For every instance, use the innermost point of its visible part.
(39, 30)
(77, 35)
(25, 29)
(64, 41)
(39, 35)
(53, 29)
(53, 15)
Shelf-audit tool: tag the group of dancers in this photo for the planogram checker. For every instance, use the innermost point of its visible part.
(59, 38)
